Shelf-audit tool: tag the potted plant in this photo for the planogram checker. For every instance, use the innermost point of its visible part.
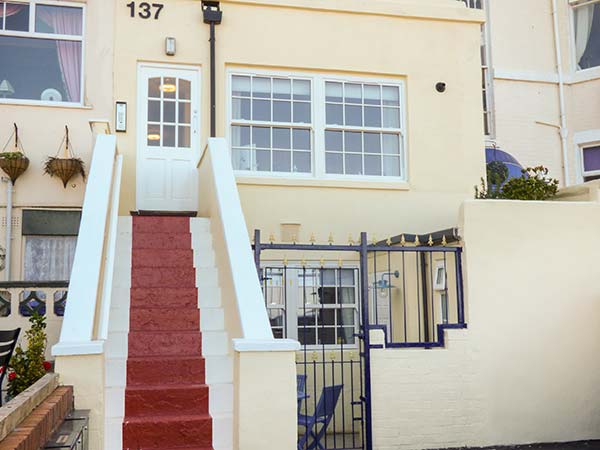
(66, 166)
(14, 162)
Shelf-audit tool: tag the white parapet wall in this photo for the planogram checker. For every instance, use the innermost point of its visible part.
(526, 370)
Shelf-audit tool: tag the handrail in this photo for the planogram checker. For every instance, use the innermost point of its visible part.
(34, 284)
(221, 202)
(94, 254)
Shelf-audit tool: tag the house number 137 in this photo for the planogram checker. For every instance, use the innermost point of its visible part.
(145, 10)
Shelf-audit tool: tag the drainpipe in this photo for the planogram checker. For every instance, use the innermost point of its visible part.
(563, 130)
(212, 16)
(9, 205)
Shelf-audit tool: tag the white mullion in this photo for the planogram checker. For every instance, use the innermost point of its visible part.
(319, 126)
(32, 14)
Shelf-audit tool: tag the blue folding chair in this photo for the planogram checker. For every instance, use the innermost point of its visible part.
(301, 389)
(322, 416)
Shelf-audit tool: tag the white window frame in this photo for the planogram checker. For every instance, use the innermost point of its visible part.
(293, 303)
(318, 125)
(57, 37)
(581, 141)
(589, 173)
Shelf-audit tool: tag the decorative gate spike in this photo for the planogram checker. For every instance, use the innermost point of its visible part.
(430, 241)
(402, 241)
(417, 242)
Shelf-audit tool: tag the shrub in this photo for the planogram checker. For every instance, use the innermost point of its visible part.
(534, 184)
(28, 366)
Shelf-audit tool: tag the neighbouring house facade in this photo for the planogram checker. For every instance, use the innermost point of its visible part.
(547, 57)
(299, 172)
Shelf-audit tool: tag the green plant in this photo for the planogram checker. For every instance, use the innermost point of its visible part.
(12, 155)
(533, 184)
(28, 366)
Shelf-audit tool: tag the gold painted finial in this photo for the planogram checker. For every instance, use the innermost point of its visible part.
(285, 261)
(417, 242)
(330, 239)
(340, 262)
(430, 241)
(271, 238)
(322, 262)
(444, 242)
(314, 356)
(312, 239)
(350, 239)
(303, 262)
(374, 240)
(402, 241)
(294, 238)
(389, 242)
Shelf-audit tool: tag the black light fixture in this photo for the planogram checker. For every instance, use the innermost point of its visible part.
(440, 87)
(213, 16)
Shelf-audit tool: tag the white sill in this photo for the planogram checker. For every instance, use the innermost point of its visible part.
(592, 73)
(16, 102)
(323, 183)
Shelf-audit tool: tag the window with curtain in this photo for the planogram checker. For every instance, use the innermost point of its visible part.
(49, 258)
(41, 52)
(316, 125)
(586, 16)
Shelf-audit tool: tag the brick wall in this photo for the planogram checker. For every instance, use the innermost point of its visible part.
(36, 429)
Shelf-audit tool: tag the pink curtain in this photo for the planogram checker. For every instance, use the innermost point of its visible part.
(12, 9)
(65, 20)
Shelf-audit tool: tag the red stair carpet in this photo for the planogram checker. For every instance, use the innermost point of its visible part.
(166, 398)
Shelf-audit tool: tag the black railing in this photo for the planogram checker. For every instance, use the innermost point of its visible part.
(475, 4)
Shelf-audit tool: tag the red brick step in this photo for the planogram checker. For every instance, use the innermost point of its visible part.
(165, 370)
(164, 297)
(152, 257)
(163, 319)
(149, 224)
(161, 343)
(158, 432)
(161, 241)
(166, 399)
(163, 277)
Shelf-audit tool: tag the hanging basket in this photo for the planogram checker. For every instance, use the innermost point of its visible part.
(64, 168)
(13, 164)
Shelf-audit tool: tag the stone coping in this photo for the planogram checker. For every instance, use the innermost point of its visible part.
(19, 408)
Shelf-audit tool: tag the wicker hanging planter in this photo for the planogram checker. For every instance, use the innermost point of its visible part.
(14, 163)
(65, 167)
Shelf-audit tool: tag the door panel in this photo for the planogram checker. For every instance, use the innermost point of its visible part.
(168, 139)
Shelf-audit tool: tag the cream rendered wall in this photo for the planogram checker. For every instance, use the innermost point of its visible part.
(526, 92)
(399, 41)
(41, 128)
(526, 368)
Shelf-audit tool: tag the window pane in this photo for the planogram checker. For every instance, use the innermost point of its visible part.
(372, 116)
(334, 163)
(282, 111)
(263, 160)
(241, 159)
(153, 110)
(154, 87)
(391, 166)
(40, 69)
(334, 114)
(261, 110)
(353, 115)
(372, 165)
(282, 88)
(184, 112)
(301, 90)
(352, 93)
(183, 137)
(168, 136)
(282, 138)
(333, 140)
(282, 161)
(241, 108)
(301, 112)
(240, 136)
(391, 96)
(353, 141)
(169, 112)
(261, 137)
(391, 144)
(372, 143)
(184, 89)
(240, 86)
(301, 139)
(49, 258)
(58, 20)
(17, 16)
(261, 87)
(333, 92)
(354, 164)
(346, 315)
(301, 162)
(153, 136)
(591, 159)
(372, 94)
(391, 118)
(169, 87)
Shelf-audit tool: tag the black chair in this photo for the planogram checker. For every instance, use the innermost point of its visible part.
(8, 342)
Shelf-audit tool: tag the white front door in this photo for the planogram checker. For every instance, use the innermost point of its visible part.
(168, 139)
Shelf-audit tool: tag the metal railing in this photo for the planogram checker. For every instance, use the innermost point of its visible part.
(475, 4)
